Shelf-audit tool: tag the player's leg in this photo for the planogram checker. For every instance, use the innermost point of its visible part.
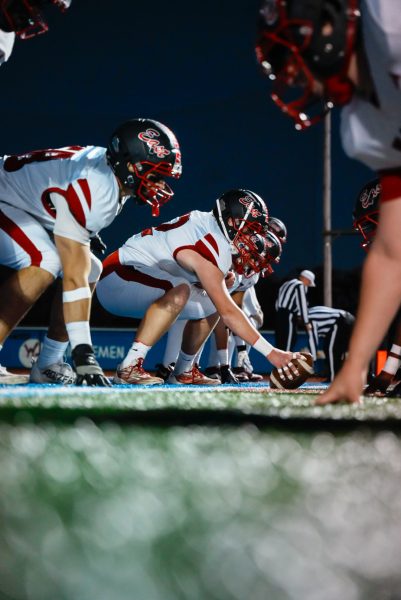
(284, 329)
(26, 248)
(156, 299)
(173, 345)
(195, 335)
(50, 366)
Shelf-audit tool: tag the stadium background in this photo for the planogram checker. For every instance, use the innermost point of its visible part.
(195, 70)
(300, 502)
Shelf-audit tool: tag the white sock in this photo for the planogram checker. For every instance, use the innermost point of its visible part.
(184, 363)
(223, 356)
(51, 352)
(137, 350)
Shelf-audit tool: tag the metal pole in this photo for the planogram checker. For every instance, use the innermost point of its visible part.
(327, 238)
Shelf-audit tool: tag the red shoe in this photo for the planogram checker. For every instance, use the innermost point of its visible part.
(135, 374)
(193, 377)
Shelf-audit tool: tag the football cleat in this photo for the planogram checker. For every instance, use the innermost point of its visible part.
(8, 378)
(57, 373)
(227, 376)
(240, 374)
(163, 371)
(192, 377)
(135, 374)
(213, 372)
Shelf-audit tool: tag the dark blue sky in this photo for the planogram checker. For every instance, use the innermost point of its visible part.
(192, 67)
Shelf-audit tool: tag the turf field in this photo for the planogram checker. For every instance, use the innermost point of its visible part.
(212, 494)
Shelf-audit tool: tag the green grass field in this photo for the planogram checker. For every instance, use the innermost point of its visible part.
(170, 494)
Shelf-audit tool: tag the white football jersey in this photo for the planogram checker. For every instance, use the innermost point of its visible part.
(243, 283)
(80, 175)
(6, 45)
(159, 246)
(371, 132)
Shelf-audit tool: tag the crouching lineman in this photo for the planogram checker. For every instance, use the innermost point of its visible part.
(177, 270)
(52, 202)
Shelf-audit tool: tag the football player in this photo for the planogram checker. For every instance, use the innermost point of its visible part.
(178, 270)
(250, 305)
(24, 19)
(365, 221)
(321, 53)
(53, 201)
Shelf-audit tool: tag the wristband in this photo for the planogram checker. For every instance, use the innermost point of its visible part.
(391, 365)
(263, 346)
(78, 294)
(395, 349)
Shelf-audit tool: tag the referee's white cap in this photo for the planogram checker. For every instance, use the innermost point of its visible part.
(309, 275)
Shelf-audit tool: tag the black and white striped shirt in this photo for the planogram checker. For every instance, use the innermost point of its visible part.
(292, 296)
(323, 319)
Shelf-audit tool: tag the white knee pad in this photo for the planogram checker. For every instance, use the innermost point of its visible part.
(198, 306)
(96, 269)
(51, 262)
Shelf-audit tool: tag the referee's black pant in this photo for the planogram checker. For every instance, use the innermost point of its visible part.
(336, 343)
(286, 329)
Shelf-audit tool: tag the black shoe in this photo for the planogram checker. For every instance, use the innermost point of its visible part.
(213, 372)
(240, 374)
(395, 392)
(227, 376)
(164, 372)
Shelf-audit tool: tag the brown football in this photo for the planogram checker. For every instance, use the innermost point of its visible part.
(280, 379)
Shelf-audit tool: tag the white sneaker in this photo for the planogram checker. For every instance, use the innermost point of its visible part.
(59, 373)
(8, 378)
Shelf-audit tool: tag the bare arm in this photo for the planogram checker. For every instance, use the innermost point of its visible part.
(212, 280)
(380, 298)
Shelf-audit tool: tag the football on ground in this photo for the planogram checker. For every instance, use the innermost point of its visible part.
(284, 379)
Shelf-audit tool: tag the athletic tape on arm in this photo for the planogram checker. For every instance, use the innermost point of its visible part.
(263, 346)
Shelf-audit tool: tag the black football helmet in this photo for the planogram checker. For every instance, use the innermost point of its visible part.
(25, 17)
(255, 253)
(278, 228)
(301, 43)
(240, 213)
(366, 212)
(152, 151)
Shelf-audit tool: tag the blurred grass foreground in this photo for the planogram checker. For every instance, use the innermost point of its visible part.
(114, 511)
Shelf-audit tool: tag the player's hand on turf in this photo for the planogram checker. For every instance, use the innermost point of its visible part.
(379, 384)
(346, 387)
(87, 368)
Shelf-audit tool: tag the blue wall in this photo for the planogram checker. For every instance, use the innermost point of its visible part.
(192, 66)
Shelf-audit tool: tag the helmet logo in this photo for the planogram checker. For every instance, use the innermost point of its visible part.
(153, 144)
(247, 201)
(369, 196)
(269, 12)
(115, 142)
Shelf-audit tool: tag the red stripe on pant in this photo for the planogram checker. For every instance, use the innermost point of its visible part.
(112, 265)
(20, 238)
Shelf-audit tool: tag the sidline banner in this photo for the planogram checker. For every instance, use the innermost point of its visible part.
(110, 345)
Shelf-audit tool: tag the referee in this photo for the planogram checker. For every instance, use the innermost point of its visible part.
(292, 308)
(334, 326)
